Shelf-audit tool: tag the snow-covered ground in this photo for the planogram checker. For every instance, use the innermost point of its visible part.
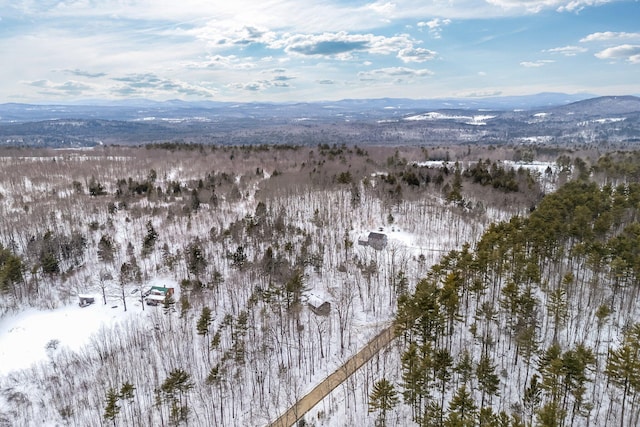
(29, 336)
(24, 336)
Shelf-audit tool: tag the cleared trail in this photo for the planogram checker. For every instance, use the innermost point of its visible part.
(311, 399)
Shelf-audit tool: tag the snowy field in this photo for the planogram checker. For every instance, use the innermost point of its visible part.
(25, 336)
(31, 336)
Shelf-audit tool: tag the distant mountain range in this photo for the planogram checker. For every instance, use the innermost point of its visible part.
(543, 118)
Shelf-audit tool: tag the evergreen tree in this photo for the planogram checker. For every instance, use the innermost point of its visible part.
(464, 368)
(462, 409)
(558, 309)
(415, 380)
(106, 248)
(204, 321)
(442, 363)
(196, 261)
(532, 397)
(174, 392)
(10, 269)
(488, 381)
(382, 399)
(293, 288)
(126, 395)
(623, 367)
(488, 418)
(551, 415)
(202, 327)
(112, 409)
(450, 299)
(238, 258)
(149, 240)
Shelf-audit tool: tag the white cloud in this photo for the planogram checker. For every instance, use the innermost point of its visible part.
(152, 85)
(395, 74)
(578, 5)
(567, 50)
(435, 26)
(536, 64)
(229, 62)
(628, 52)
(259, 85)
(87, 74)
(341, 44)
(536, 6)
(606, 36)
(385, 9)
(68, 88)
(483, 94)
(224, 35)
(416, 54)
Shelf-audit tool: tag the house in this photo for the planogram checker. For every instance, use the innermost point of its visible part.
(85, 300)
(318, 304)
(159, 290)
(157, 294)
(377, 240)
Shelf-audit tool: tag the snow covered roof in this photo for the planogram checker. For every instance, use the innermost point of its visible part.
(316, 299)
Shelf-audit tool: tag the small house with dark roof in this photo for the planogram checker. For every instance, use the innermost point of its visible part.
(318, 304)
(377, 240)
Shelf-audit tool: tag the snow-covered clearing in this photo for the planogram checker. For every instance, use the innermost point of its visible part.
(30, 336)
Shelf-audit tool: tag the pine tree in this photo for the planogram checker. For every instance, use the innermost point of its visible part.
(550, 415)
(202, 327)
(204, 321)
(558, 309)
(149, 240)
(551, 367)
(382, 399)
(488, 418)
(450, 300)
(623, 367)
(576, 362)
(196, 261)
(10, 269)
(174, 391)
(106, 248)
(415, 380)
(532, 397)
(488, 381)
(442, 363)
(112, 409)
(464, 368)
(462, 409)
(126, 395)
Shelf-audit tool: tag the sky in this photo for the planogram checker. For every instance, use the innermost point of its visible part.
(302, 50)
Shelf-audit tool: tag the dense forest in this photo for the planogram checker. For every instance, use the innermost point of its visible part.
(512, 285)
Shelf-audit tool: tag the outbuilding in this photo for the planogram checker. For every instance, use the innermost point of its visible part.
(318, 304)
(85, 300)
(377, 240)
